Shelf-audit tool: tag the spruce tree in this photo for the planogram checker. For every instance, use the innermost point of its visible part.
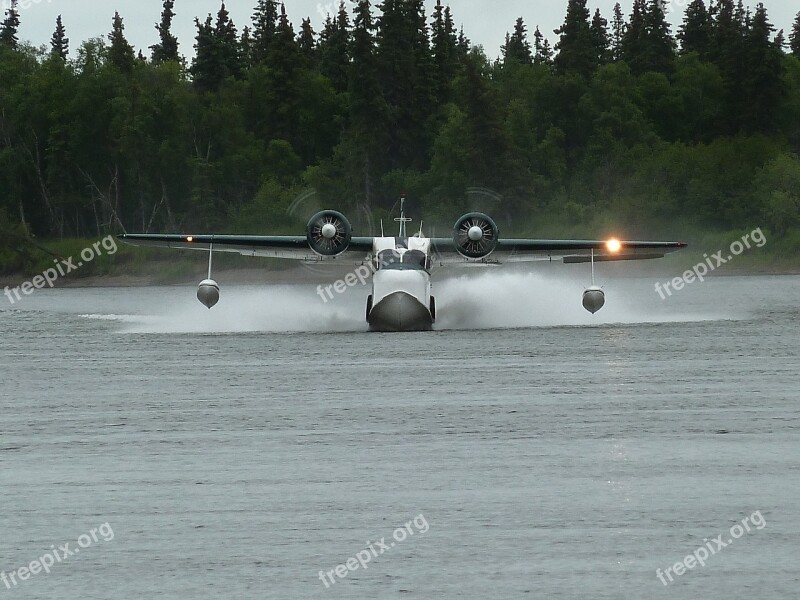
(618, 27)
(217, 52)
(307, 41)
(444, 45)
(464, 43)
(406, 68)
(227, 41)
(246, 48)
(780, 40)
(167, 48)
(265, 23)
(695, 33)
(576, 50)
(334, 49)
(489, 146)
(120, 53)
(729, 53)
(601, 38)
(517, 47)
(763, 76)
(543, 52)
(794, 37)
(205, 70)
(59, 43)
(285, 64)
(368, 110)
(659, 42)
(634, 40)
(10, 27)
(547, 54)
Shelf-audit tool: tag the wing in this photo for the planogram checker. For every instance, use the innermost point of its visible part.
(291, 247)
(570, 251)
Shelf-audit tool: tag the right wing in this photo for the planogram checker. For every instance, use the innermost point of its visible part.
(269, 246)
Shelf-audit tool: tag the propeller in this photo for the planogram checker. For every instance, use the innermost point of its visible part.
(328, 233)
(475, 235)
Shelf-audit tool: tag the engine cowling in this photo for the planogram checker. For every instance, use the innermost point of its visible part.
(329, 233)
(475, 235)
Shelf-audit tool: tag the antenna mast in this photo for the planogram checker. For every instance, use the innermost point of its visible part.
(402, 220)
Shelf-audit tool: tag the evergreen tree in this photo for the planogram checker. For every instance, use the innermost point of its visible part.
(601, 38)
(544, 53)
(167, 48)
(648, 44)
(59, 43)
(406, 71)
(517, 47)
(307, 40)
(547, 55)
(728, 53)
(538, 40)
(445, 51)
(660, 44)
(633, 42)
(488, 144)
(726, 34)
(576, 49)
(368, 110)
(334, 49)
(285, 64)
(763, 79)
(120, 53)
(780, 40)
(794, 37)
(464, 43)
(265, 23)
(227, 42)
(217, 52)
(618, 28)
(10, 27)
(246, 48)
(695, 33)
(204, 67)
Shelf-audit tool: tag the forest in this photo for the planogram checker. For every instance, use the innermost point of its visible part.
(612, 122)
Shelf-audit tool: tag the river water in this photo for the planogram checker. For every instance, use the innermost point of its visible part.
(525, 449)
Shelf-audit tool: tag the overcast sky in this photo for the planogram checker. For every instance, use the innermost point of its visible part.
(485, 23)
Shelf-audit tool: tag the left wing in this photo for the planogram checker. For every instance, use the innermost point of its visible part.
(270, 246)
(446, 251)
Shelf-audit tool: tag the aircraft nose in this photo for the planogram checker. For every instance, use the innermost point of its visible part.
(400, 312)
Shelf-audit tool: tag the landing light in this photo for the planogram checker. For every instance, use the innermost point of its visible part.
(189, 239)
(613, 245)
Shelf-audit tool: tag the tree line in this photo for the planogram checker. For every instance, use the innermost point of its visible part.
(616, 118)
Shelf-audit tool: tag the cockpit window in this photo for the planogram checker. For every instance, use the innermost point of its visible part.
(386, 258)
(416, 258)
(413, 259)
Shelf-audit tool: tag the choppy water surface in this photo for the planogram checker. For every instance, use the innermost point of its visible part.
(238, 452)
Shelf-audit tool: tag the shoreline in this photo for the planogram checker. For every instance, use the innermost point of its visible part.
(300, 275)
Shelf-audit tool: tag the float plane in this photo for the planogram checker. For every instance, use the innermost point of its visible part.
(401, 298)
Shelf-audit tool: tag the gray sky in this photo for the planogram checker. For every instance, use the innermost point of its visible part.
(485, 23)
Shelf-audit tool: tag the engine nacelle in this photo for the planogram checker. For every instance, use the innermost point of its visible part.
(208, 293)
(329, 233)
(475, 235)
